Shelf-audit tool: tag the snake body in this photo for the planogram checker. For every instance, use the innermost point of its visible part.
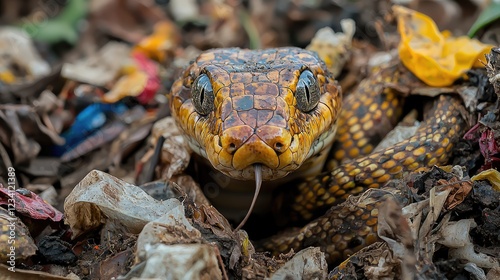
(279, 108)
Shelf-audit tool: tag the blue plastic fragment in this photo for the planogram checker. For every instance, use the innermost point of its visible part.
(89, 120)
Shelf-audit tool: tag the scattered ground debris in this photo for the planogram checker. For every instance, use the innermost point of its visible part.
(96, 179)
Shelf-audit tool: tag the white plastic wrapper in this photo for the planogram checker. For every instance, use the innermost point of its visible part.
(101, 198)
(17, 47)
(171, 228)
(456, 234)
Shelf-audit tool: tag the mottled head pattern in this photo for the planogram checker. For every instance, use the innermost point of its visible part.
(274, 107)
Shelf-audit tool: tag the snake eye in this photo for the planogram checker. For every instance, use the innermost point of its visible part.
(307, 92)
(203, 95)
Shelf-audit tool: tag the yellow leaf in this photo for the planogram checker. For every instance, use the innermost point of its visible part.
(245, 246)
(129, 85)
(437, 58)
(165, 39)
(492, 175)
(7, 77)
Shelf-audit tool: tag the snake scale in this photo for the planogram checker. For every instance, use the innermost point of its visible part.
(277, 111)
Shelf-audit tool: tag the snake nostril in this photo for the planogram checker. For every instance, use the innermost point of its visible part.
(231, 148)
(279, 147)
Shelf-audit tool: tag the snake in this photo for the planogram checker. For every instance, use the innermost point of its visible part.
(273, 115)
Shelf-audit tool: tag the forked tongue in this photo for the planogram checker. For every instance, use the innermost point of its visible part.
(258, 182)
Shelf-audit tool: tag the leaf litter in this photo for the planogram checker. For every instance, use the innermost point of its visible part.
(144, 216)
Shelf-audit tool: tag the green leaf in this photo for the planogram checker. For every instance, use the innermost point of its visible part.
(55, 31)
(489, 15)
(62, 27)
(74, 11)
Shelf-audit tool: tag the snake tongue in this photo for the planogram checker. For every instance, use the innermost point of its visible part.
(258, 182)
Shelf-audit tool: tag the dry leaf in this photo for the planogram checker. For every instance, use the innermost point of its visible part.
(435, 57)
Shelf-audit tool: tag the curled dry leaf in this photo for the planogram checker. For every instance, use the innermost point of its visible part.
(208, 218)
(376, 260)
(493, 68)
(131, 84)
(191, 188)
(234, 247)
(483, 133)
(428, 223)
(430, 220)
(432, 211)
(393, 228)
(467, 253)
(175, 154)
(244, 253)
(334, 48)
(384, 260)
(433, 91)
(22, 131)
(260, 266)
(210, 226)
(47, 102)
(459, 190)
(101, 198)
(469, 96)
(118, 264)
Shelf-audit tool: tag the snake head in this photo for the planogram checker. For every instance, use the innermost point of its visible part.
(238, 108)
